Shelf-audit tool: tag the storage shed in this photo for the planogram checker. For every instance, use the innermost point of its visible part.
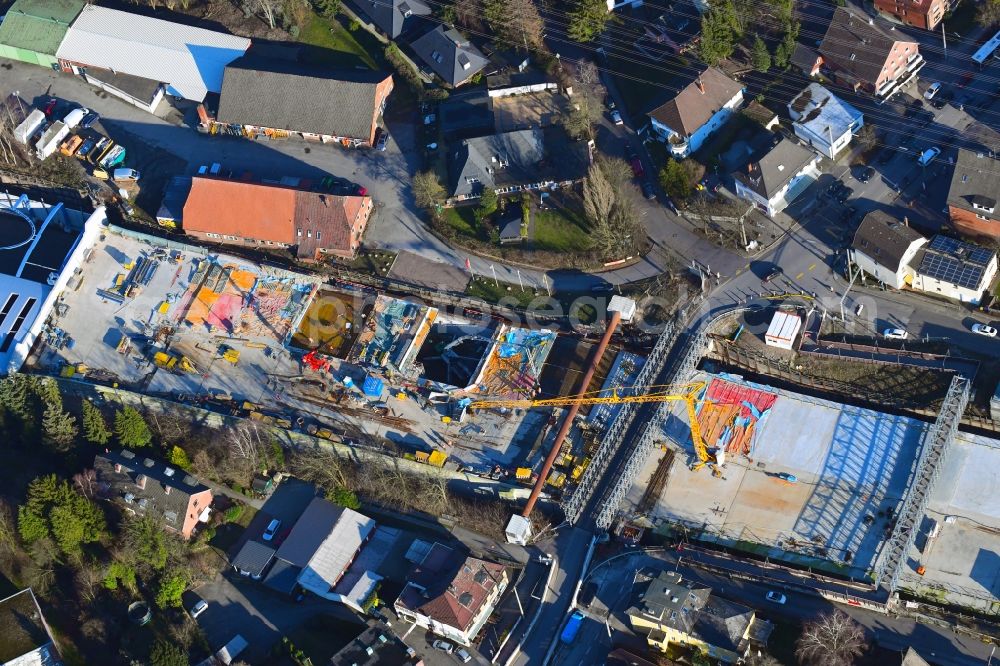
(32, 30)
(783, 329)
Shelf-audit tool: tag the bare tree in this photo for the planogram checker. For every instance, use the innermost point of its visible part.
(86, 483)
(322, 466)
(245, 450)
(8, 530)
(598, 194)
(269, 9)
(834, 639)
(609, 204)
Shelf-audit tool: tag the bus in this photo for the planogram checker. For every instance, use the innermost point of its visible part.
(572, 627)
(986, 50)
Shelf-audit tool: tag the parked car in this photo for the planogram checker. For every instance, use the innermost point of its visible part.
(616, 118)
(444, 646)
(928, 156)
(844, 194)
(776, 597)
(463, 655)
(272, 529)
(867, 173)
(773, 275)
(125, 175)
(90, 119)
(895, 334)
(858, 310)
(75, 117)
(50, 106)
(983, 329)
(637, 168)
(382, 139)
(932, 90)
(672, 206)
(648, 191)
(198, 608)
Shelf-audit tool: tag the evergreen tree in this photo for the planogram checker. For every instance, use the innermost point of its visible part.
(172, 586)
(717, 38)
(327, 8)
(759, 55)
(59, 427)
(131, 429)
(165, 653)
(488, 203)
(179, 458)
(54, 509)
(675, 180)
(783, 54)
(341, 496)
(588, 19)
(95, 428)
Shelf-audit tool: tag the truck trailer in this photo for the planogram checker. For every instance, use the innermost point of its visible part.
(49, 143)
(27, 129)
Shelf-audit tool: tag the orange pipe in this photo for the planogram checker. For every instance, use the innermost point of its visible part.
(571, 413)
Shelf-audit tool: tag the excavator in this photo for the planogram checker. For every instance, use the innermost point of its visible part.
(687, 393)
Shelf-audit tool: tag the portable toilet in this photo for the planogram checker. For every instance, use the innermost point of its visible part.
(372, 386)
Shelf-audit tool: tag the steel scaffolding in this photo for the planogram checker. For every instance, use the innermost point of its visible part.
(932, 454)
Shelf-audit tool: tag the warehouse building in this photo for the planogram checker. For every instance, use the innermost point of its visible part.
(189, 61)
(32, 30)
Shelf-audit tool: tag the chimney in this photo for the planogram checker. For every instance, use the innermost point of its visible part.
(118, 468)
(141, 481)
(701, 86)
(166, 489)
(906, 221)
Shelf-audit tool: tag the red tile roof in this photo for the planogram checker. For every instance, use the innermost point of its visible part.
(272, 213)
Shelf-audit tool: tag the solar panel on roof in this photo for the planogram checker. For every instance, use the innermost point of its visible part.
(980, 255)
(949, 269)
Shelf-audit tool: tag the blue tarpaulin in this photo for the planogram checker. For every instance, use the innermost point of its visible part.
(372, 386)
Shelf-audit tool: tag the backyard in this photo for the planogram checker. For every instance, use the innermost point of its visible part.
(338, 46)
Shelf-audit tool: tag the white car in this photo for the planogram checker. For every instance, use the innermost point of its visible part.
(895, 334)
(616, 118)
(444, 646)
(983, 329)
(272, 529)
(198, 608)
(932, 90)
(928, 156)
(776, 597)
(463, 655)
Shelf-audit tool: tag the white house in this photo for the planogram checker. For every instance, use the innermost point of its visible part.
(824, 121)
(884, 248)
(687, 119)
(776, 177)
(451, 594)
(955, 269)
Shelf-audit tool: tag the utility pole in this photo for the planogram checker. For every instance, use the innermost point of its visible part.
(495, 280)
(944, 40)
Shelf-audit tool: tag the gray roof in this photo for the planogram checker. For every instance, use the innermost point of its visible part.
(496, 161)
(172, 505)
(418, 270)
(283, 577)
(269, 92)
(976, 180)
(884, 239)
(190, 60)
(174, 196)
(136, 87)
(253, 558)
(390, 15)
(773, 170)
(384, 645)
(23, 629)
(450, 54)
(854, 45)
(723, 623)
(804, 58)
(338, 549)
(466, 114)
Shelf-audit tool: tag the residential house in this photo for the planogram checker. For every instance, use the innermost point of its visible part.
(761, 115)
(972, 198)
(824, 121)
(884, 248)
(332, 552)
(451, 594)
(310, 224)
(189, 60)
(806, 60)
(32, 30)
(955, 269)
(275, 97)
(450, 55)
(773, 179)
(924, 14)
(376, 645)
(675, 613)
(508, 162)
(392, 17)
(863, 56)
(466, 113)
(25, 637)
(253, 559)
(688, 118)
(144, 486)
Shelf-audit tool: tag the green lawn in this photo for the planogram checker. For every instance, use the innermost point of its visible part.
(560, 230)
(462, 220)
(485, 288)
(336, 46)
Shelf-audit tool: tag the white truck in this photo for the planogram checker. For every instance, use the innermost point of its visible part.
(49, 143)
(27, 129)
(227, 653)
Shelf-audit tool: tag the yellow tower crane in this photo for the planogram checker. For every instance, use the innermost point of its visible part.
(687, 393)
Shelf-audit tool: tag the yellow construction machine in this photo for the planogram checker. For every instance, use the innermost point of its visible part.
(687, 393)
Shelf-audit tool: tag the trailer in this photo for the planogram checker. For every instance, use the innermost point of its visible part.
(572, 628)
(50, 141)
(113, 158)
(27, 129)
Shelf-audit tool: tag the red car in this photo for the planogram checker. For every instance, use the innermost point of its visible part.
(49, 107)
(637, 166)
